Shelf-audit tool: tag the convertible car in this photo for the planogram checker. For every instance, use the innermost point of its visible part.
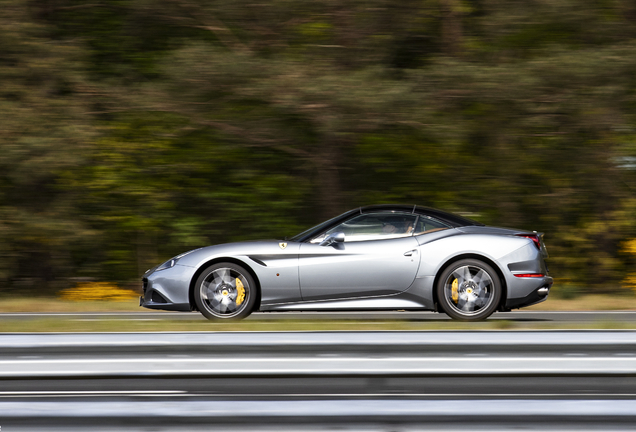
(383, 257)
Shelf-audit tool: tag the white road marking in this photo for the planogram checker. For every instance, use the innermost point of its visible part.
(277, 360)
(183, 393)
(401, 395)
(89, 392)
(366, 409)
(274, 366)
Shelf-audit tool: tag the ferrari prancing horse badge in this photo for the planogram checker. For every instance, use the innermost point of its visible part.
(282, 245)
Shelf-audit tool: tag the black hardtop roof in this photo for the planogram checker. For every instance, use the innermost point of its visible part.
(450, 218)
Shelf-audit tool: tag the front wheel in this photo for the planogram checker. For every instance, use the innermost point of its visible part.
(469, 290)
(225, 291)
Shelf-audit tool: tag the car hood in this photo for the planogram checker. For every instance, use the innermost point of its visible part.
(240, 249)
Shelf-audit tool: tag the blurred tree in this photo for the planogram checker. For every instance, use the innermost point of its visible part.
(159, 185)
(43, 133)
(132, 129)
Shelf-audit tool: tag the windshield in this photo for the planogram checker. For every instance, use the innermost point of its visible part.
(320, 227)
(373, 226)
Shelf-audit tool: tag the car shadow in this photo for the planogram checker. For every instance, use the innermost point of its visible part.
(437, 320)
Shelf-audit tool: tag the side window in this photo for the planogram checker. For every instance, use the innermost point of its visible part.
(374, 226)
(426, 224)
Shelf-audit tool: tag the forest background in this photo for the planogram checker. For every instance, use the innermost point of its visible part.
(133, 130)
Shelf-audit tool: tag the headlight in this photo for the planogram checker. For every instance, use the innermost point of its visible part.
(172, 261)
(168, 264)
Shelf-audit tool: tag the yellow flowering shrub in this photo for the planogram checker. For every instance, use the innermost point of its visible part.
(91, 291)
(630, 246)
(630, 280)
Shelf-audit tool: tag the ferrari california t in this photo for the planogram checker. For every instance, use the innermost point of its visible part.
(383, 257)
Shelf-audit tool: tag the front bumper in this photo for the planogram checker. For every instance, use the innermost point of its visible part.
(177, 307)
(168, 289)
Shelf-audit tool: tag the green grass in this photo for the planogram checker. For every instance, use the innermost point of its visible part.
(87, 324)
(52, 304)
(63, 324)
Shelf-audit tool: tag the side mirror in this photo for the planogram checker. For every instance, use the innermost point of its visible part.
(336, 237)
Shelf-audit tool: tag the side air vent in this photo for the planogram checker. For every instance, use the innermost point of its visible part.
(259, 262)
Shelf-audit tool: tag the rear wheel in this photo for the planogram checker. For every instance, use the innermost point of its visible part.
(469, 290)
(225, 291)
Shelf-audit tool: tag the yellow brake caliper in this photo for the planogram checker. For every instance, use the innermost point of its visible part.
(455, 294)
(241, 291)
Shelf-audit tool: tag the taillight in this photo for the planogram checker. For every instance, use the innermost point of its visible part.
(529, 274)
(534, 238)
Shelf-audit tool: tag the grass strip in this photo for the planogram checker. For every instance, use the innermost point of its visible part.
(55, 324)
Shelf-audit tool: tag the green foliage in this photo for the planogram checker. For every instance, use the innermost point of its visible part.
(134, 130)
(43, 135)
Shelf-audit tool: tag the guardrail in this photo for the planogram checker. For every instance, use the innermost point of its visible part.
(319, 353)
(377, 340)
(321, 377)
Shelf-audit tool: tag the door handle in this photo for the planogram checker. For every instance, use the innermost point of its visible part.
(409, 253)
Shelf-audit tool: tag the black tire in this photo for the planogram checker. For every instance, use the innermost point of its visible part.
(225, 291)
(469, 290)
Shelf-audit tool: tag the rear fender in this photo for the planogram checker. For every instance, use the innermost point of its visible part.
(491, 263)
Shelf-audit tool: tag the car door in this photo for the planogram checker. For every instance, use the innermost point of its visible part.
(378, 256)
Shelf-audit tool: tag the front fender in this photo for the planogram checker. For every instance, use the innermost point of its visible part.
(276, 268)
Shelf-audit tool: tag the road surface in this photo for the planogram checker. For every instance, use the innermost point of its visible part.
(538, 316)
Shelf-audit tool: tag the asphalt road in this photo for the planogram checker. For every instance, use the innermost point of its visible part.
(555, 317)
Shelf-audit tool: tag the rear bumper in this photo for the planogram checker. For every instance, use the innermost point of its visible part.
(536, 295)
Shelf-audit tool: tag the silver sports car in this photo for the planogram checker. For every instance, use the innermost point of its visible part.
(383, 257)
